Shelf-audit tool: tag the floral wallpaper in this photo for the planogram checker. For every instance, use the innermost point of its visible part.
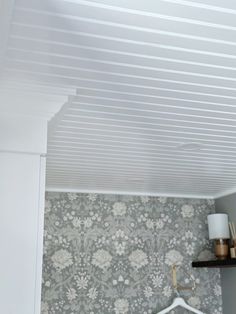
(113, 254)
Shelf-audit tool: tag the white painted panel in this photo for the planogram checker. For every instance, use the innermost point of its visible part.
(23, 134)
(40, 234)
(19, 217)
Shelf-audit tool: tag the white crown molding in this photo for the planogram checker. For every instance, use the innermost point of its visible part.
(22, 106)
(57, 118)
(68, 190)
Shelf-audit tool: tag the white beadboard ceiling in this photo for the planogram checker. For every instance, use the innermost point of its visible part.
(149, 91)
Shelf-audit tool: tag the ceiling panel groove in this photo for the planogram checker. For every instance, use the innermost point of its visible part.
(126, 59)
(200, 5)
(201, 138)
(118, 123)
(102, 32)
(70, 147)
(140, 166)
(75, 131)
(60, 61)
(176, 155)
(141, 74)
(74, 79)
(125, 111)
(208, 163)
(131, 43)
(95, 6)
(147, 174)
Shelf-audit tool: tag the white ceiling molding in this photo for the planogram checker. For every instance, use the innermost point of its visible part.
(149, 92)
(25, 105)
(112, 192)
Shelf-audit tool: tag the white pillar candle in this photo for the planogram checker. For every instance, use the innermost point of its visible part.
(218, 225)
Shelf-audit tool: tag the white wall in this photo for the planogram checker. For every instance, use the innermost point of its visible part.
(23, 143)
(24, 134)
(19, 221)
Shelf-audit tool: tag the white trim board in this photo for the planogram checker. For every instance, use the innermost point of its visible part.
(68, 190)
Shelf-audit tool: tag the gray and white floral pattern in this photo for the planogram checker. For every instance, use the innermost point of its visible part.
(113, 254)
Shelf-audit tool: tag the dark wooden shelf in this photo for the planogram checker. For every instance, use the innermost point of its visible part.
(215, 263)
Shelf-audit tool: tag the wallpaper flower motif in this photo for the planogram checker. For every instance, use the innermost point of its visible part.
(62, 259)
(113, 254)
(102, 259)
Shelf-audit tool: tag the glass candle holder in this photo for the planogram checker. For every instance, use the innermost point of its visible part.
(221, 249)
